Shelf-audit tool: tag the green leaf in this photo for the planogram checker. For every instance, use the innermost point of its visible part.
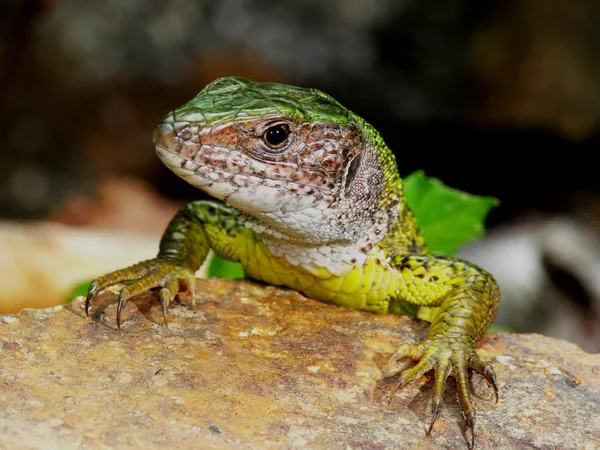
(221, 268)
(448, 218)
(79, 289)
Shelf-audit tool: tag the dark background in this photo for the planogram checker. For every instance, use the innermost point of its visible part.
(496, 98)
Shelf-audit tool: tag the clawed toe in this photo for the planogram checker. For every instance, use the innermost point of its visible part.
(446, 360)
(149, 275)
(487, 371)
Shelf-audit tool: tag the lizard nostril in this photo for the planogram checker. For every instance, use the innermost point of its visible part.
(185, 135)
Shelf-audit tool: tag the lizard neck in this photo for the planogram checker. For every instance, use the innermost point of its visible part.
(338, 258)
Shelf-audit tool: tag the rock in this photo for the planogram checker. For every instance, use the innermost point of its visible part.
(262, 367)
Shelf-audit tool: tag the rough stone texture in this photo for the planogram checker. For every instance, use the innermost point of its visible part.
(261, 367)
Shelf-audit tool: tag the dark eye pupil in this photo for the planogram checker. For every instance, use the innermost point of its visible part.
(276, 135)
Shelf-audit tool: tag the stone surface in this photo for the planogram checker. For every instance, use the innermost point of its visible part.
(262, 367)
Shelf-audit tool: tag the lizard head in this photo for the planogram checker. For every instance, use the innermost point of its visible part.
(292, 158)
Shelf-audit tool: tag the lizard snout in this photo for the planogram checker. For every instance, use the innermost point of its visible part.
(164, 136)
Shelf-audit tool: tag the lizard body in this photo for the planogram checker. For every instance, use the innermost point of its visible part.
(308, 196)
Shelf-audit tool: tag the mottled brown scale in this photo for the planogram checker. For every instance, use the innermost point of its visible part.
(312, 157)
(224, 136)
(331, 163)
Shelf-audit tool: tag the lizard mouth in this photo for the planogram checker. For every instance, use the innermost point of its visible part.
(209, 171)
(246, 191)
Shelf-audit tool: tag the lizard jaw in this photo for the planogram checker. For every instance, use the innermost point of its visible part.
(279, 212)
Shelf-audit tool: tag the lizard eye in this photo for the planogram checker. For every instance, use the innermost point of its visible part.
(276, 136)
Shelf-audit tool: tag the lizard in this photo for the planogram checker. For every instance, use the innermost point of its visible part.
(306, 194)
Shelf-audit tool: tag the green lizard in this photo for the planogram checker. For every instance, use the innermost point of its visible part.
(310, 198)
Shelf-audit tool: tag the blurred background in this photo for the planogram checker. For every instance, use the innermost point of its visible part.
(496, 98)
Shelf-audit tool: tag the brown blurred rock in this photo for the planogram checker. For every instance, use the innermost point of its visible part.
(262, 367)
(121, 203)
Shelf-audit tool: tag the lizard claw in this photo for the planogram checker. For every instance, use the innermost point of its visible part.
(123, 299)
(472, 425)
(486, 370)
(446, 358)
(436, 406)
(92, 292)
(190, 286)
(167, 294)
(149, 274)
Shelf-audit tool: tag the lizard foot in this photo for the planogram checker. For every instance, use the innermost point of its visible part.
(447, 358)
(149, 274)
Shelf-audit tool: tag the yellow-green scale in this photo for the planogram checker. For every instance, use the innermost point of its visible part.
(368, 287)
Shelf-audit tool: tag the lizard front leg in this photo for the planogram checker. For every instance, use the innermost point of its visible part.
(196, 228)
(467, 298)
